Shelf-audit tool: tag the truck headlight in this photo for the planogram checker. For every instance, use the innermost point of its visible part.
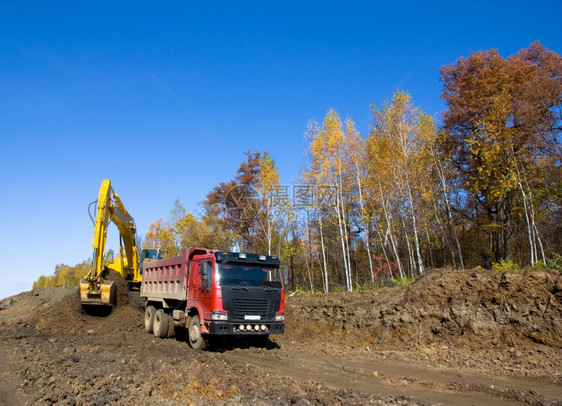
(219, 316)
(280, 317)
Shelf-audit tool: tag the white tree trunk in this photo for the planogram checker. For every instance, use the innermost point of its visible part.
(415, 229)
(343, 247)
(311, 267)
(410, 251)
(448, 206)
(363, 221)
(534, 238)
(325, 279)
(385, 254)
(444, 239)
(392, 240)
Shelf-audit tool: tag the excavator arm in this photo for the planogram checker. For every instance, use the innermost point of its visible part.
(95, 288)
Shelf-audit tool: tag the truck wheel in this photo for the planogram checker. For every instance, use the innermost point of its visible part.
(149, 318)
(160, 324)
(196, 339)
(171, 327)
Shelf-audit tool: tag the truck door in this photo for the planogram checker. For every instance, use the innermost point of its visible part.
(201, 288)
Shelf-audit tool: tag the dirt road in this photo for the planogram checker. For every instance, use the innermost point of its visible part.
(449, 338)
(379, 376)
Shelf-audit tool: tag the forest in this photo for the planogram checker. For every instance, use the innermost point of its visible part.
(479, 186)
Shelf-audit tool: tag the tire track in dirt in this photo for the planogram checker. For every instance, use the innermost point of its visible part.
(398, 378)
(7, 386)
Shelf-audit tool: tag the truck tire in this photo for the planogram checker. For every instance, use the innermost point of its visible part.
(149, 318)
(171, 327)
(160, 324)
(196, 339)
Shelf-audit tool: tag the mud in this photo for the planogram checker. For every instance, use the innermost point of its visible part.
(472, 337)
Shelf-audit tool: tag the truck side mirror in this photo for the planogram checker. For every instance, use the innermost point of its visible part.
(204, 272)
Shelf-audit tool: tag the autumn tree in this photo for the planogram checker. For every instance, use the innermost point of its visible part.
(268, 188)
(442, 195)
(244, 206)
(183, 230)
(502, 136)
(208, 232)
(166, 235)
(357, 152)
(399, 156)
(64, 276)
(329, 171)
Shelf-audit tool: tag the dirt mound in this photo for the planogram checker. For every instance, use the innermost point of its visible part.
(468, 309)
(66, 315)
(22, 307)
(122, 298)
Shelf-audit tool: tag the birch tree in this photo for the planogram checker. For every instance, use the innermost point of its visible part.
(328, 169)
(400, 137)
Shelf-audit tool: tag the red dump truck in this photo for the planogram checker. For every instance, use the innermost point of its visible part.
(214, 293)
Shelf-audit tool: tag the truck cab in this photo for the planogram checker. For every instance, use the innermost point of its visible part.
(214, 293)
(238, 293)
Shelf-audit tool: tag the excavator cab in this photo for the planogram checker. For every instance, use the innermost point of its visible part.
(151, 254)
(110, 257)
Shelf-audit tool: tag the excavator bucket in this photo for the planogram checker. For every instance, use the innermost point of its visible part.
(98, 293)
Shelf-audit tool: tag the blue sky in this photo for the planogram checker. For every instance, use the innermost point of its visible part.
(80, 103)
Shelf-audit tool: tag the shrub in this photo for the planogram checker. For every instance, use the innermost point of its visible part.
(402, 281)
(504, 266)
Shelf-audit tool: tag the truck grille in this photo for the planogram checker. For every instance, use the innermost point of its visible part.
(242, 303)
(254, 307)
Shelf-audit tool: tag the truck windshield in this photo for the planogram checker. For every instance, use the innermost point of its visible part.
(248, 275)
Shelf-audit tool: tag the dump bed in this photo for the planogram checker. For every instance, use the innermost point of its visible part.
(168, 278)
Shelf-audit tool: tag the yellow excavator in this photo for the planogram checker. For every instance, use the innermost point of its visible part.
(95, 288)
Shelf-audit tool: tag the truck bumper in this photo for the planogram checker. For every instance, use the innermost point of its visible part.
(234, 328)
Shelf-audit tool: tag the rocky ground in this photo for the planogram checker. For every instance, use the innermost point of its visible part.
(471, 337)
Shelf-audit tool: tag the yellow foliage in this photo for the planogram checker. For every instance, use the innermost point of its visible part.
(160, 236)
(504, 266)
(268, 175)
(64, 276)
